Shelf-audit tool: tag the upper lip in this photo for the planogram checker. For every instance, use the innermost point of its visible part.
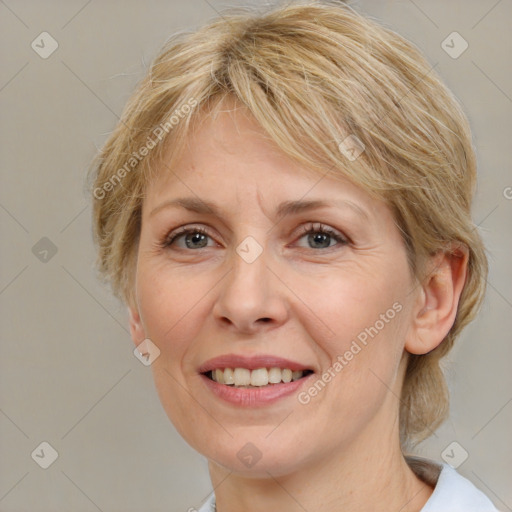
(250, 362)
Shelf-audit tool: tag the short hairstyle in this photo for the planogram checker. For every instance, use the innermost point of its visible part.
(311, 74)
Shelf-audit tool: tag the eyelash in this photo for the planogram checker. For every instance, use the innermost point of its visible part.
(306, 230)
(171, 237)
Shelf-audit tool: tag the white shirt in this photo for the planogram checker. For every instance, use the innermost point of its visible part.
(452, 492)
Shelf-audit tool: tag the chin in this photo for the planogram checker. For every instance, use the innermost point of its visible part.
(255, 456)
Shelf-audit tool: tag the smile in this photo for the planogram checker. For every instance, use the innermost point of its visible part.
(256, 380)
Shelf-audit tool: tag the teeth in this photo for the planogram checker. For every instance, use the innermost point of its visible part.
(219, 376)
(259, 377)
(242, 376)
(274, 375)
(255, 378)
(286, 375)
(297, 375)
(229, 378)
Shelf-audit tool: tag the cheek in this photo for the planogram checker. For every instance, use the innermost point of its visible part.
(171, 310)
(368, 316)
(359, 382)
(360, 306)
(170, 306)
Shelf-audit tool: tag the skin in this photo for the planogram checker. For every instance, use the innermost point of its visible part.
(297, 300)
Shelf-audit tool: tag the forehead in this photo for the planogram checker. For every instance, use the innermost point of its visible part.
(228, 151)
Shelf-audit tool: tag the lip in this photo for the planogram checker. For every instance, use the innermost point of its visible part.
(251, 363)
(254, 397)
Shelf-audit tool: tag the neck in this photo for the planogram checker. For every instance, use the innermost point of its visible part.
(367, 475)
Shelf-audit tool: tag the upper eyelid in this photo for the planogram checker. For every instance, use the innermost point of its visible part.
(320, 226)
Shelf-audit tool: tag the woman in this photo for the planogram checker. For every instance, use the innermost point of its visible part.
(285, 209)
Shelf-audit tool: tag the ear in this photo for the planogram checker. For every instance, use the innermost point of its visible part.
(436, 306)
(136, 328)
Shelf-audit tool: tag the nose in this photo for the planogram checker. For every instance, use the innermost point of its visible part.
(251, 296)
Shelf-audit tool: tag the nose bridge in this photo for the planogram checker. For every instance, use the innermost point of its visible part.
(250, 292)
(248, 281)
(250, 266)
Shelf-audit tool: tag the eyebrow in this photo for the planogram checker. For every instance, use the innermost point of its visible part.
(201, 206)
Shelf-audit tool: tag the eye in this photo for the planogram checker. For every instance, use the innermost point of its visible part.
(320, 237)
(194, 238)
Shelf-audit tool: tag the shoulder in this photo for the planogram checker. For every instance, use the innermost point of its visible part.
(452, 491)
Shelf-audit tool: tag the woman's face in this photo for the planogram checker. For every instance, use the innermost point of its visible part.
(254, 290)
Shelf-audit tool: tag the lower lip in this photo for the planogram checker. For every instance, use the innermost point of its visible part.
(254, 397)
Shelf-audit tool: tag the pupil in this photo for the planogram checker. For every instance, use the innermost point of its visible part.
(318, 238)
(196, 237)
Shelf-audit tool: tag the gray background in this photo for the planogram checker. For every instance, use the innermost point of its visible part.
(68, 374)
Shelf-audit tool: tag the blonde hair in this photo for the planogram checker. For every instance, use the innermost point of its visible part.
(312, 74)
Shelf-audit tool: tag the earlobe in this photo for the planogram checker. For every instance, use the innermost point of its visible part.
(438, 300)
(136, 328)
